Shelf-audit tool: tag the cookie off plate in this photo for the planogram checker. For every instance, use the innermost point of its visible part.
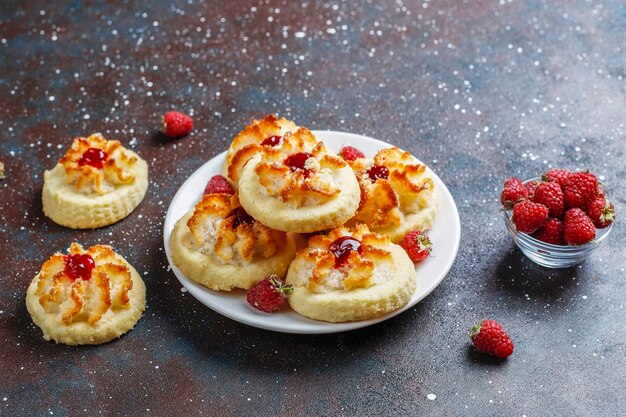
(445, 235)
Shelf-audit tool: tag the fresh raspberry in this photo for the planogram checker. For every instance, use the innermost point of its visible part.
(529, 216)
(219, 185)
(269, 294)
(417, 245)
(489, 337)
(350, 153)
(176, 124)
(551, 232)
(531, 187)
(550, 195)
(557, 175)
(601, 212)
(581, 188)
(512, 192)
(579, 228)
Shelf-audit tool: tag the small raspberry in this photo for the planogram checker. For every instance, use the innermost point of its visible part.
(513, 192)
(557, 175)
(581, 188)
(551, 232)
(350, 153)
(176, 124)
(601, 212)
(550, 195)
(417, 245)
(489, 337)
(219, 185)
(529, 216)
(269, 294)
(531, 187)
(579, 228)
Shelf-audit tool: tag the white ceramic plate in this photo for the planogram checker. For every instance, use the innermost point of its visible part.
(445, 235)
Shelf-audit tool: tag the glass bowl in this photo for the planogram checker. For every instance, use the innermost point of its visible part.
(554, 256)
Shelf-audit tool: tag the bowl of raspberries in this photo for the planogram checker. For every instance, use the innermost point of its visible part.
(559, 219)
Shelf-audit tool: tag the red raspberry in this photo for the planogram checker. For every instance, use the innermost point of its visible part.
(529, 216)
(489, 337)
(350, 153)
(269, 294)
(512, 192)
(176, 124)
(219, 185)
(531, 187)
(551, 232)
(417, 245)
(557, 175)
(579, 228)
(550, 195)
(601, 212)
(581, 188)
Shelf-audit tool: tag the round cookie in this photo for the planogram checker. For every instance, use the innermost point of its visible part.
(259, 134)
(299, 186)
(95, 184)
(397, 194)
(350, 275)
(219, 246)
(87, 297)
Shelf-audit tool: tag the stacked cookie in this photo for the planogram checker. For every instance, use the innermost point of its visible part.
(293, 208)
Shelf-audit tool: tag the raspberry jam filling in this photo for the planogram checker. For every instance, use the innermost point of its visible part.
(94, 157)
(297, 161)
(378, 171)
(342, 247)
(241, 217)
(79, 266)
(271, 141)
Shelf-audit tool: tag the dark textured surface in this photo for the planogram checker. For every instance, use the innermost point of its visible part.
(481, 90)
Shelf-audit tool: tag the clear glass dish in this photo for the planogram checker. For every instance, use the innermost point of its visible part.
(554, 256)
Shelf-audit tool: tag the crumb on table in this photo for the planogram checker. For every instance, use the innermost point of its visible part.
(1, 171)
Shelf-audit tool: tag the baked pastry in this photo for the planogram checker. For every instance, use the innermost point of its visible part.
(96, 183)
(350, 275)
(218, 245)
(299, 186)
(86, 297)
(397, 194)
(252, 139)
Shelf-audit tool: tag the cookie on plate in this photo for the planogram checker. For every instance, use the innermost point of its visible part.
(252, 139)
(397, 194)
(299, 186)
(86, 297)
(220, 246)
(96, 183)
(349, 275)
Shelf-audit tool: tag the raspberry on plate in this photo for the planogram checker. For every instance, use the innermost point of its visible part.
(581, 188)
(579, 228)
(269, 294)
(350, 153)
(218, 184)
(529, 216)
(489, 337)
(551, 232)
(601, 212)
(557, 175)
(176, 124)
(512, 192)
(417, 245)
(550, 195)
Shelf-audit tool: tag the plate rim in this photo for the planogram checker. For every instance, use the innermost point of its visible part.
(325, 328)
